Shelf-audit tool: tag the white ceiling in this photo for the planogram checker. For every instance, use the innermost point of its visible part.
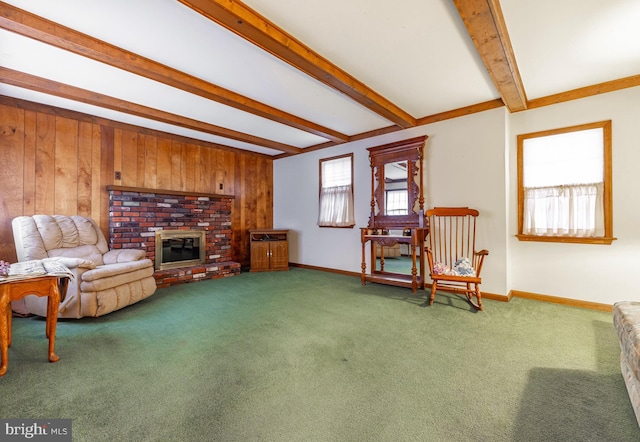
(415, 53)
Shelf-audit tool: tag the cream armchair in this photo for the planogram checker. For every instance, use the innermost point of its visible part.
(104, 280)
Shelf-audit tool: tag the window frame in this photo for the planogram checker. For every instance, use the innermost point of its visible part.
(608, 238)
(320, 162)
(386, 200)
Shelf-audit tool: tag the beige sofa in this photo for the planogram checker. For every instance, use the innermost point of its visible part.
(626, 320)
(104, 280)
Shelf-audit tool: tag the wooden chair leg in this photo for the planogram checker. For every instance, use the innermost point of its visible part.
(475, 291)
(471, 291)
(434, 286)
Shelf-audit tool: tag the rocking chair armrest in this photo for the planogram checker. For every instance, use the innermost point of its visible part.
(481, 254)
(429, 252)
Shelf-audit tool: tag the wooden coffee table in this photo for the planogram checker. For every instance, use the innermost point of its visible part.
(53, 287)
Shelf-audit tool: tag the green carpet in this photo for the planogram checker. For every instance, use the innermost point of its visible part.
(306, 355)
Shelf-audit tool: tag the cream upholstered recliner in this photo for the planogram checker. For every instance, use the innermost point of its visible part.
(104, 280)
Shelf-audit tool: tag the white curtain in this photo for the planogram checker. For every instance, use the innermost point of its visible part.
(568, 210)
(336, 207)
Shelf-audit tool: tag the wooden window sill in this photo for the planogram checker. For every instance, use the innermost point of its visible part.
(602, 240)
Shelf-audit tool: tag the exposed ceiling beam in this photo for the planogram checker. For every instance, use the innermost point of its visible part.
(29, 25)
(462, 111)
(39, 84)
(587, 91)
(248, 24)
(485, 23)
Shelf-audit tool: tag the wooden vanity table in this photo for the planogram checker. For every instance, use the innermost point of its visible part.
(396, 168)
(414, 280)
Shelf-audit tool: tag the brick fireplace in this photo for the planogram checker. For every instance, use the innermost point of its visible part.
(135, 215)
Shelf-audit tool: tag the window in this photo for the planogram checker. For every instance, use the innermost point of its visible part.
(397, 202)
(564, 185)
(336, 192)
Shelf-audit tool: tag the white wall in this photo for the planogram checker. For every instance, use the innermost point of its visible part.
(597, 273)
(295, 206)
(471, 161)
(463, 168)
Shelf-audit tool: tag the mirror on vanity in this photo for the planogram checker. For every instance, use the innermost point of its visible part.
(396, 181)
(397, 226)
(396, 195)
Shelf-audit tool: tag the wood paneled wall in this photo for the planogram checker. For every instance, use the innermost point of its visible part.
(59, 162)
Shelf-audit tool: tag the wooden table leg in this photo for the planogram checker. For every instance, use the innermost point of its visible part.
(363, 266)
(5, 311)
(9, 315)
(53, 303)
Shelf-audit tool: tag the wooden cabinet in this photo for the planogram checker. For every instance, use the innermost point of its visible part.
(269, 250)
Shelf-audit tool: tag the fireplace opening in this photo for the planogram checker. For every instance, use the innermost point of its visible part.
(180, 248)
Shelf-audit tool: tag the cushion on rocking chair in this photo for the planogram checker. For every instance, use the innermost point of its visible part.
(462, 267)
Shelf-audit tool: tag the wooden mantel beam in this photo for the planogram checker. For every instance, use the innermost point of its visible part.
(485, 23)
(29, 25)
(248, 24)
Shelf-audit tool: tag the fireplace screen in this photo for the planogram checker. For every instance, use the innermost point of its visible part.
(179, 248)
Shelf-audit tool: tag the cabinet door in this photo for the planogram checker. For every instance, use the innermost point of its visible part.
(279, 255)
(259, 255)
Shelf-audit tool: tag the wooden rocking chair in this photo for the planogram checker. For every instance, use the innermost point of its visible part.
(454, 263)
